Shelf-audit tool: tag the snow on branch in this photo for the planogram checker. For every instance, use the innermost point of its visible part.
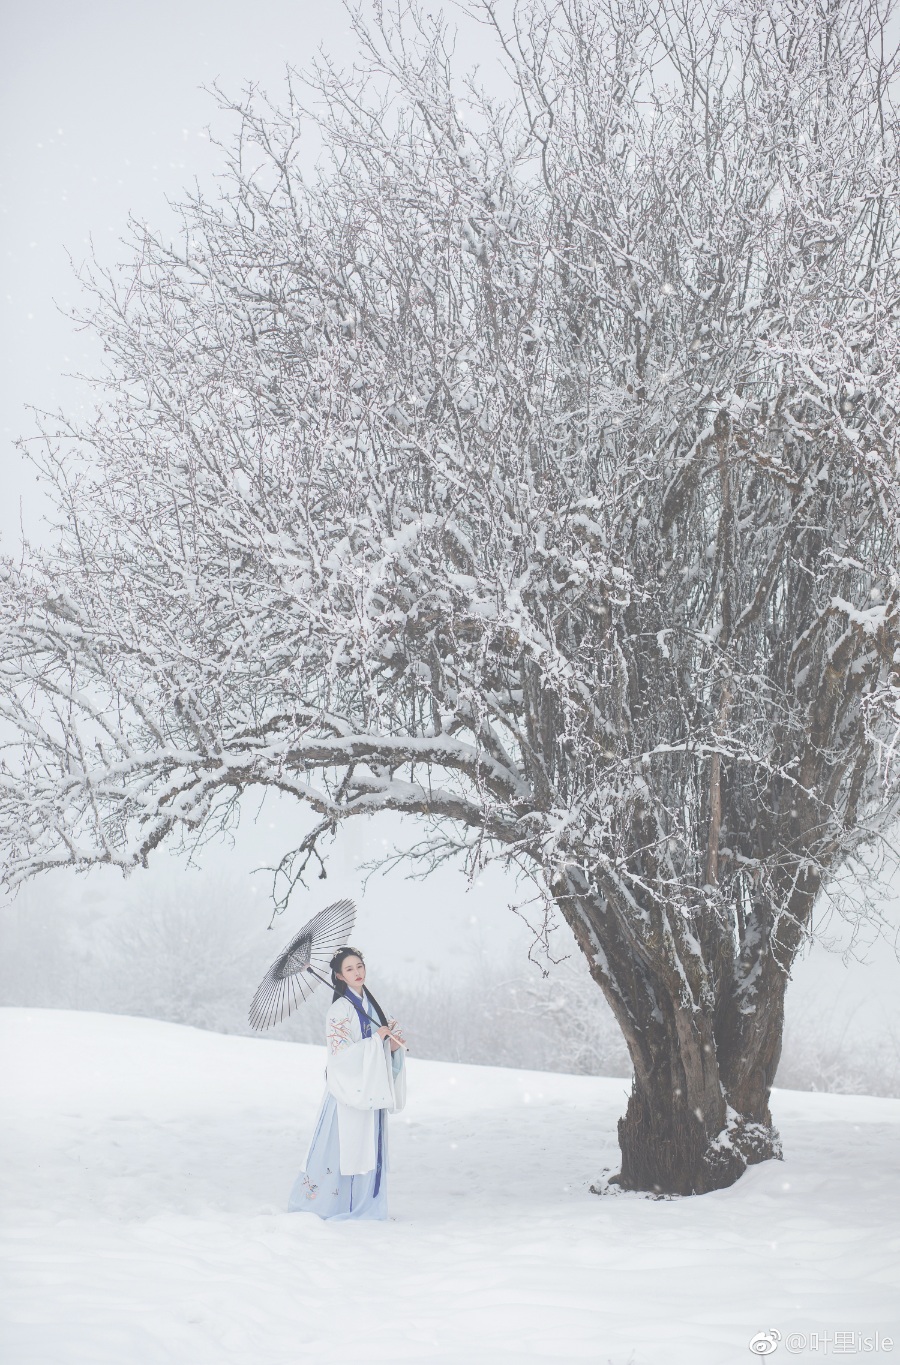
(531, 469)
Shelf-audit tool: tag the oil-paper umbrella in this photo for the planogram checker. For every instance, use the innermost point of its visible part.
(296, 972)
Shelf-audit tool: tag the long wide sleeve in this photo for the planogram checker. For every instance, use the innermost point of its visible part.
(363, 1077)
(359, 1072)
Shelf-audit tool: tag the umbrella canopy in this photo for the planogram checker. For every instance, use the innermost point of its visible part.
(297, 971)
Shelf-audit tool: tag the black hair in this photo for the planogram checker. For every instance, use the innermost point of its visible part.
(340, 987)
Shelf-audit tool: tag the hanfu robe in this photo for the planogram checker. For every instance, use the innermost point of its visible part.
(344, 1175)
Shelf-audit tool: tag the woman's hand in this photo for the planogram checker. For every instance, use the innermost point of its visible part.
(392, 1033)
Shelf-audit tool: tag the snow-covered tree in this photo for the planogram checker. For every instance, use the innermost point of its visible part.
(530, 468)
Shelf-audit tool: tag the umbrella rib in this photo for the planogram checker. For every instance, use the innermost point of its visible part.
(287, 983)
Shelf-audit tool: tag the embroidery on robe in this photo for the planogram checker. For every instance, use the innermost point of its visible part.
(310, 1188)
(338, 1035)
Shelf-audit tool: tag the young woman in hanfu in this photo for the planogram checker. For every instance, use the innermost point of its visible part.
(344, 1175)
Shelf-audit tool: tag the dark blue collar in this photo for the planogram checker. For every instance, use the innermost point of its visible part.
(365, 1020)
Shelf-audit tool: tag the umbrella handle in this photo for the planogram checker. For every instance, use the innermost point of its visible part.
(312, 971)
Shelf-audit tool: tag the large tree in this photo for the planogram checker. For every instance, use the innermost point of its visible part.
(530, 468)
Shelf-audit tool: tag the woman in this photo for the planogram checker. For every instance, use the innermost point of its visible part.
(344, 1174)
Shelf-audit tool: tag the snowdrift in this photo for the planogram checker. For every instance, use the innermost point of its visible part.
(145, 1168)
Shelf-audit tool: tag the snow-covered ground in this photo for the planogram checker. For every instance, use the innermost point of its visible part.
(145, 1167)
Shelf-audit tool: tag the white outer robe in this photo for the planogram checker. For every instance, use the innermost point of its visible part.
(360, 1076)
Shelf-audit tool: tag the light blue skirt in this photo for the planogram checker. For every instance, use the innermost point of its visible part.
(323, 1190)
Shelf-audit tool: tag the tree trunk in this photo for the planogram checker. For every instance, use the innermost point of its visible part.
(671, 1145)
(698, 1114)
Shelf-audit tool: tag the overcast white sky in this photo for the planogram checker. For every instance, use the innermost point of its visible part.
(103, 115)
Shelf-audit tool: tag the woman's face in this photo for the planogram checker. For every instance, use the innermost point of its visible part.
(353, 973)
